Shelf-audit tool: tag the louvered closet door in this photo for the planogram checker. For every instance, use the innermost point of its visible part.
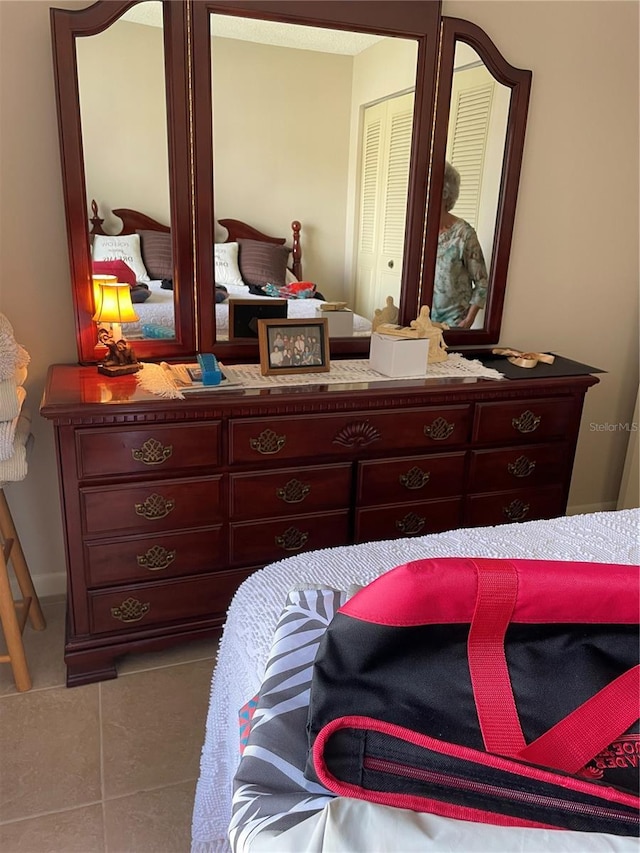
(475, 146)
(384, 180)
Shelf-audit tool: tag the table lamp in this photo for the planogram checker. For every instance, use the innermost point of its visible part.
(112, 307)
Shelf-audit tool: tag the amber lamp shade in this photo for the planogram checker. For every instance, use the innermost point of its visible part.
(113, 307)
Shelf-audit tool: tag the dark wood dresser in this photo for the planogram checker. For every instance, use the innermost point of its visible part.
(168, 505)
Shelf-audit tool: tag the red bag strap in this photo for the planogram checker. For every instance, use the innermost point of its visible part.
(595, 724)
(492, 691)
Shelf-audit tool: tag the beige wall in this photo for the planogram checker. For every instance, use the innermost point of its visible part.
(124, 121)
(281, 150)
(575, 249)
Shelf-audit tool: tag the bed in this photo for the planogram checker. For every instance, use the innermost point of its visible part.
(245, 258)
(295, 814)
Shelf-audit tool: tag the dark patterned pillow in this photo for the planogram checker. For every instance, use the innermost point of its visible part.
(139, 293)
(157, 254)
(262, 263)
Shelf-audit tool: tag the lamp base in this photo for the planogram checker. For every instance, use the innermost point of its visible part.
(118, 369)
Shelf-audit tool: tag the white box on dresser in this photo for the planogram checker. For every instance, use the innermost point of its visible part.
(399, 357)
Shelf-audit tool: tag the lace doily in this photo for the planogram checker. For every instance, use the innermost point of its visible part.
(154, 379)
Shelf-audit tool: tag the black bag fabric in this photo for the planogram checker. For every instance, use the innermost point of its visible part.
(500, 691)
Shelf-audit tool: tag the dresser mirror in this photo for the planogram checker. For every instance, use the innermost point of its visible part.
(186, 175)
(122, 92)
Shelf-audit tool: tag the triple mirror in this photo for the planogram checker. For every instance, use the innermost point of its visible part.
(193, 133)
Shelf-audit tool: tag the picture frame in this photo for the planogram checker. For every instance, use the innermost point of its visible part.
(293, 346)
(245, 313)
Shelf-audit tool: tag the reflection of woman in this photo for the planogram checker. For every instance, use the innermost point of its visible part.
(460, 285)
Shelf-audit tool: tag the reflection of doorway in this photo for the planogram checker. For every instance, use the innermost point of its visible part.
(384, 176)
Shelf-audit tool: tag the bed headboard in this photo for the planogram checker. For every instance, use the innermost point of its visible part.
(133, 220)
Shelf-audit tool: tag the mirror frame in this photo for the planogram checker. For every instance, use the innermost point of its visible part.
(66, 26)
(187, 47)
(519, 81)
(403, 18)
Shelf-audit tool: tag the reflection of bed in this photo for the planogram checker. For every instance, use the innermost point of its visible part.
(157, 312)
(261, 813)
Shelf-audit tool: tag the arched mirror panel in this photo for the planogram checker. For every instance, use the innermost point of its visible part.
(320, 114)
(123, 121)
(481, 114)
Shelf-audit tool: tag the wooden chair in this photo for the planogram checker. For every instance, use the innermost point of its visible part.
(14, 614)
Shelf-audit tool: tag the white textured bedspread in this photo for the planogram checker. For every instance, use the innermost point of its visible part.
(610, 537)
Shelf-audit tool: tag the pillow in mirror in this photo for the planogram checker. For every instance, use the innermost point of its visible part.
(157, 253)
(225, 256)
(124, 247)
(263, 263)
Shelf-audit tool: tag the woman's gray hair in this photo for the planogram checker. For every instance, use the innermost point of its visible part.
(451, 186)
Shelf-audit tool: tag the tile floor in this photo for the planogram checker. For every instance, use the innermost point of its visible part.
(103, 768)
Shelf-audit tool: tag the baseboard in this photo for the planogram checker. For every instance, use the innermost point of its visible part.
(47, 586)
(585, 509)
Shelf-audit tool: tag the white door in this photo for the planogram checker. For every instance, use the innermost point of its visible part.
(384, 181)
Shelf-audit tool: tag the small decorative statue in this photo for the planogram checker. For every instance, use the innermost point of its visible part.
(426, 328)
(388, 314)
(120, 358)
(421, 327)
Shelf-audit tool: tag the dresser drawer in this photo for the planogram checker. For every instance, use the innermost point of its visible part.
(518, 467)
(151, 507)
(411, 519)
(520, 505)
(145, 606)
(524, 420)
(122, 450)
(146, 558)
(312, 436)
(259, 543)
(410, 478)
(290, 490)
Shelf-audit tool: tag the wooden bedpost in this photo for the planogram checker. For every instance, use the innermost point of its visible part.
(96, 222)
(296, 250)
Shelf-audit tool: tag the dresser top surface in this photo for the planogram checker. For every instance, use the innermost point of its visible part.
(76, 391)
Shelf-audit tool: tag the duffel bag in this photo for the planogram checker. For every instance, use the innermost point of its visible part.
(499, 691)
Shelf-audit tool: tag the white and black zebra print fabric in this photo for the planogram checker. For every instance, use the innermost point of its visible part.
(270, 791)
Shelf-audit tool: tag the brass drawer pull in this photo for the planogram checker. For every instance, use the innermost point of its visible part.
(156, 558)
(527, 422)
(154, 507)
(268, 442)
(293, 492)
(516, 511)
(439, 429)
(357, 435)
(292, 539)
(131, 610)
(411, 524)
(152, 452)
(415, 478)
(522, 467)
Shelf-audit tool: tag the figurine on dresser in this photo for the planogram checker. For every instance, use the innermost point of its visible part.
(421, 327)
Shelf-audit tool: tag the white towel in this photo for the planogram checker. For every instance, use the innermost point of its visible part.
(9, 399)
(12, 354)
(8, 428)
(15, 467)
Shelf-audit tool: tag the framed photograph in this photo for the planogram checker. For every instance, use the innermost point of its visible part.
(293, 346)
(245, 313)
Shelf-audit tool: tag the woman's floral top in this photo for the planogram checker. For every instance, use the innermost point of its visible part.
(461, 274)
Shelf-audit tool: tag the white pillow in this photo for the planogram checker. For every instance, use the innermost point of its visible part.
(124, 247)
(227, 270)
